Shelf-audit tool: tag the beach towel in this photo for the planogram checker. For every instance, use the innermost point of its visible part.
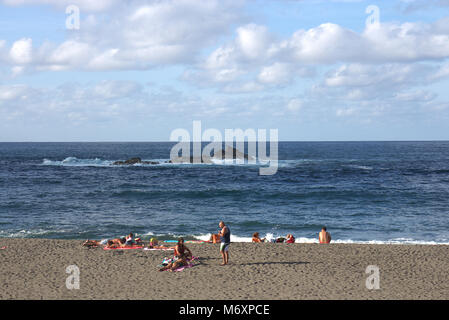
(163, 249)
(124, 248)
(188, 241)
(3, 248)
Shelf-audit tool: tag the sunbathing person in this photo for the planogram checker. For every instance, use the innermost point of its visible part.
(91, 243)
(113, 245)
(256, 238)
(95, 243)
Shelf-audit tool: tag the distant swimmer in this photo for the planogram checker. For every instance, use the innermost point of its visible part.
(325, 237)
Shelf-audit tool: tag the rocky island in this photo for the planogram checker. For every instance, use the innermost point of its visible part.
(229, 153)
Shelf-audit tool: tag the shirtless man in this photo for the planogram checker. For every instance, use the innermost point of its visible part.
(225, 236)
(324, 236)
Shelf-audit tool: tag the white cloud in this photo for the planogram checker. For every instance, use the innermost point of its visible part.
(138, 36)
(295, 105)
(115, 89)
(12, 92)
(253, 41)
(89, 5)
(257, 56)
(21, 51)
(277, 73)
(345, 112)
(415, 95)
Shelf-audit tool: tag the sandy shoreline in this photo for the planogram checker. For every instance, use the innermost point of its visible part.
(36, 269)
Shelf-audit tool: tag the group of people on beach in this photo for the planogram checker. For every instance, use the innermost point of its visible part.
(127, 241)
(182, 255)
(323, 237)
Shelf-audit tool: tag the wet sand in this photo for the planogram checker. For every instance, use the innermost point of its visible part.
(36, 269)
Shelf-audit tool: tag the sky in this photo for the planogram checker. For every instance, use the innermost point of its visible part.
(135, 70)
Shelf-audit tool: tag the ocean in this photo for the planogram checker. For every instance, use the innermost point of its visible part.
(363, 192)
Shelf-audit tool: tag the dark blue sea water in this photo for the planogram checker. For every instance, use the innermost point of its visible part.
(362, 191)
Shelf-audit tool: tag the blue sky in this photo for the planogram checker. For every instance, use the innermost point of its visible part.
(136, 70)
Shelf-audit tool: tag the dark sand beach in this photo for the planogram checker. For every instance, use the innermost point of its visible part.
(36, 269)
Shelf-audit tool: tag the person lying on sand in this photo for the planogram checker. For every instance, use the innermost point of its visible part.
(256, 238)
(324, 236)
(115, 244)
(91, 243)
(119, 242)
(154, 244)
(181, 256)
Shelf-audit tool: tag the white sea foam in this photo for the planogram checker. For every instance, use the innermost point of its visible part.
(75, 162)
(40, 233)
(353, 166)
(97, 162)
(271, 237)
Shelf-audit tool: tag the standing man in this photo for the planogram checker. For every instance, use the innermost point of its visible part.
(225, 238)
(324, 236)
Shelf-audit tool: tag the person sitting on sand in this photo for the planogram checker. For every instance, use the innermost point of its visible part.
(130, 240)
(181, 256)
(324, 236)
(256, 238)
(182, 250)
(153, 243)
(290, 239)
(214, 238)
